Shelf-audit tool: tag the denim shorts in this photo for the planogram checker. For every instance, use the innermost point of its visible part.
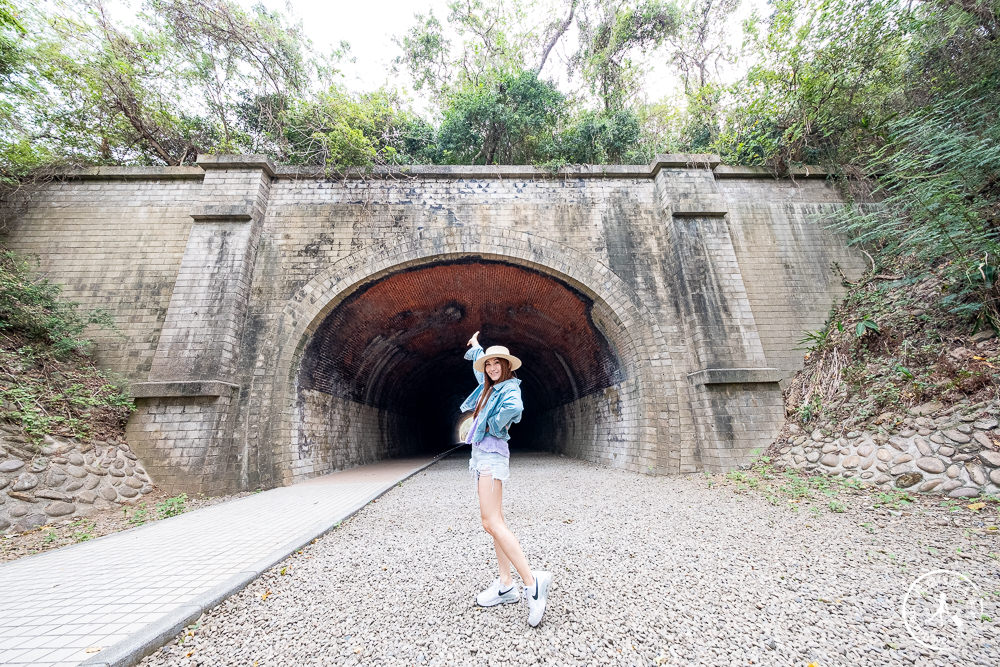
(496, 465)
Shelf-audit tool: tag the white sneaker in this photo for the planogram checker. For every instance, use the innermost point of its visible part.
(497, 593)
(537, 596)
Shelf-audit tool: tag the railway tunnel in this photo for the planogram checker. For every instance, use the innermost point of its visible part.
(383, 375)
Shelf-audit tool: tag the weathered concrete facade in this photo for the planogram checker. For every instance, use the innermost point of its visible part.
(278, 324)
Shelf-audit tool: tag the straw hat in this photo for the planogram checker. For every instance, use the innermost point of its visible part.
(494, 351)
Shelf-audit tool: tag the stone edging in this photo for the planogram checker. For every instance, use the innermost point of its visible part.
(704, 161)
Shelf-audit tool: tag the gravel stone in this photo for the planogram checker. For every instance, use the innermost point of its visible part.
(976, 474)
(983, 440)
(127, 491)
(30, 521)
(87, 497)
(49, 494)
(899, 443)
(908, 479)
(25, 482)
(638, 580)
(923, 447)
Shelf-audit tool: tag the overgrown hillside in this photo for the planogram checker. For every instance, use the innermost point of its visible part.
(899, 391)
(49, 386)
(894, 344)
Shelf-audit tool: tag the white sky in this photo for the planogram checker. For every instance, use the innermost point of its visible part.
(370, 26)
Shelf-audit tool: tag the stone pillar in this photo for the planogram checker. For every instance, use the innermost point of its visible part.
(185, 411)
(736, 401)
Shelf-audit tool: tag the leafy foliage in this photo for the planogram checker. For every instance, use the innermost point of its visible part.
(611, 39)
(31, 306)
(899, 99)
(508, 120)
(45, 385)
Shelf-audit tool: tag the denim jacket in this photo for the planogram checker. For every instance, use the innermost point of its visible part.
(503, 407)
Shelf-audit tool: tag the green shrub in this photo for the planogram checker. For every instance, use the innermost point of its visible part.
(172, 506)
(32, 306)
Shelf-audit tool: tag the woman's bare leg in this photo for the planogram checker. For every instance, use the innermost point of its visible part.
(504, 564)
(490, 497)
(505, 577)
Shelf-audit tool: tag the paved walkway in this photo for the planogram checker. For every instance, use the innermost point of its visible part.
(112, 600)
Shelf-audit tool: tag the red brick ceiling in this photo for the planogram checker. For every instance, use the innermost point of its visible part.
(406, 334)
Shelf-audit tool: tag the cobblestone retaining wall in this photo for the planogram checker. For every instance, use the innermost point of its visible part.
(954, 451)
(64, 478)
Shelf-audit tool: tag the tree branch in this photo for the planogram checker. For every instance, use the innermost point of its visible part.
(560, 31)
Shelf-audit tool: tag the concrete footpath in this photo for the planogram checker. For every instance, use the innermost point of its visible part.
(117, 598)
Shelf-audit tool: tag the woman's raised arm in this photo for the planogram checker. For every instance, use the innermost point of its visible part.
(474, 353)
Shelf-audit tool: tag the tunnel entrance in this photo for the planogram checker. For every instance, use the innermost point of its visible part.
(383, 374)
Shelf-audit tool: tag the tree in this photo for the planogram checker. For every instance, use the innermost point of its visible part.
(611, 40)
(826, 79)
(699, 46)
(226, 50)
(492, 38)
(510, 119)
(10, 30)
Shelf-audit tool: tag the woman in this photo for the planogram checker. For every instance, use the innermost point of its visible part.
(496, 404)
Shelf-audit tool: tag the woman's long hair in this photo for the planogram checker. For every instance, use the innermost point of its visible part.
(505, 374)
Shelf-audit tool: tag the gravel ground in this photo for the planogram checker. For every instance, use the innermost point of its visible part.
(648, 571)
(96, 524)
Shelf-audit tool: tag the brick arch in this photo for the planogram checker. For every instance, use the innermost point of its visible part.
(620, 315)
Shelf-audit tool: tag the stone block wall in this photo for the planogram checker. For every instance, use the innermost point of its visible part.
(335, 433)
(178, 436)
(599, 427)
(701, 276)
(114, 242)
(953, 451)
(787, 267)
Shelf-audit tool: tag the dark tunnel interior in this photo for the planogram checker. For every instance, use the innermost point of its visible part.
(397, 344)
